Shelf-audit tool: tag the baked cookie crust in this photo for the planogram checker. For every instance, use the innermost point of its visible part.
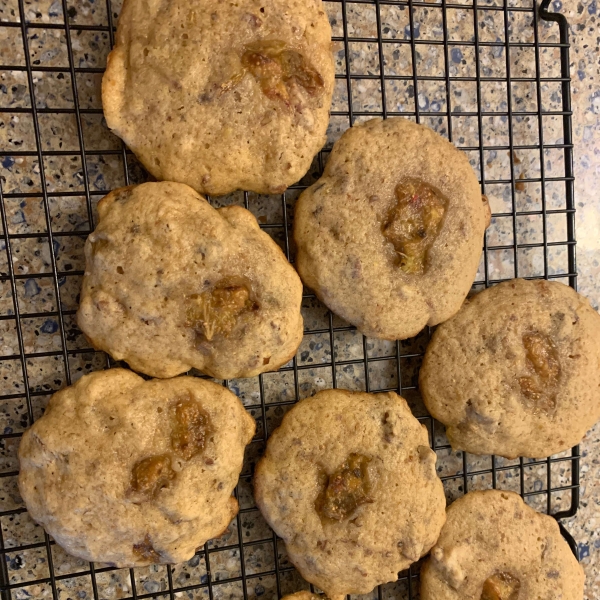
(349, 482)
(493, 546)
(390, 236)
(517, 371)
(222, 96)
(172, 283)
(131, 472)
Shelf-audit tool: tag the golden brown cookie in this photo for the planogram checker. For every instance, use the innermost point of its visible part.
(495, 547)
(349, 482)
(390, 237)
(517, 371)
(133, 472)
(172, 283)
(222, 96)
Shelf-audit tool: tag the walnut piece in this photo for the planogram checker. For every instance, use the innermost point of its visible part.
(414, 222)
(145, 551)
(501, 586)
(191, 426)
(216, 312)
(542, 361)
(277, 68)
(152, 474)
(346, 489)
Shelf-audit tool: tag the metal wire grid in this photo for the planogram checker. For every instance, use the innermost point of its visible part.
(275, 572)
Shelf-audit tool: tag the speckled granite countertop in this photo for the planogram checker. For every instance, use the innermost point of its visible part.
(584, 19)
(32, 256)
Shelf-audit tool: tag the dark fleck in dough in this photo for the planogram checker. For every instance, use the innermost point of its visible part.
(222, 96)
(495, 547)
(100, 472)
(390, 236)
(517, 371)
(348, 481)
(172, 283)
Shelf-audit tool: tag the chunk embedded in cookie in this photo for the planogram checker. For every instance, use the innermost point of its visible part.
(278, 69)
(348, 481)
(539, 386)
(495, 547)
(516, 371)
(345, 489)
(131, 472)
(173, 284)
(501, 586)
(305, 595)
(217, 311)
(414, 222)
(150, 475)
(190, 427)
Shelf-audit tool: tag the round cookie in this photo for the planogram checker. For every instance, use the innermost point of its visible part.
(349, 482)
(222, 96)
(495, 547)
(305, 595)
(172, 283)
(131, 472)
(390, 237)
(517, 371)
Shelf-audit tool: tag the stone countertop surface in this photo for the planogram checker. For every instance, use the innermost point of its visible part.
(584, 21)
(69, 215)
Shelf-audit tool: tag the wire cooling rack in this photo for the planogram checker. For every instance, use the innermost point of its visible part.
(492, 76)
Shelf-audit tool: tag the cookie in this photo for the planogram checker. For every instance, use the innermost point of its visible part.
(131, 472)
(349, 482)
(517, 371)
(305, 595)
(390, 237)
(171, 283)
(495, 547)
(222, 96)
